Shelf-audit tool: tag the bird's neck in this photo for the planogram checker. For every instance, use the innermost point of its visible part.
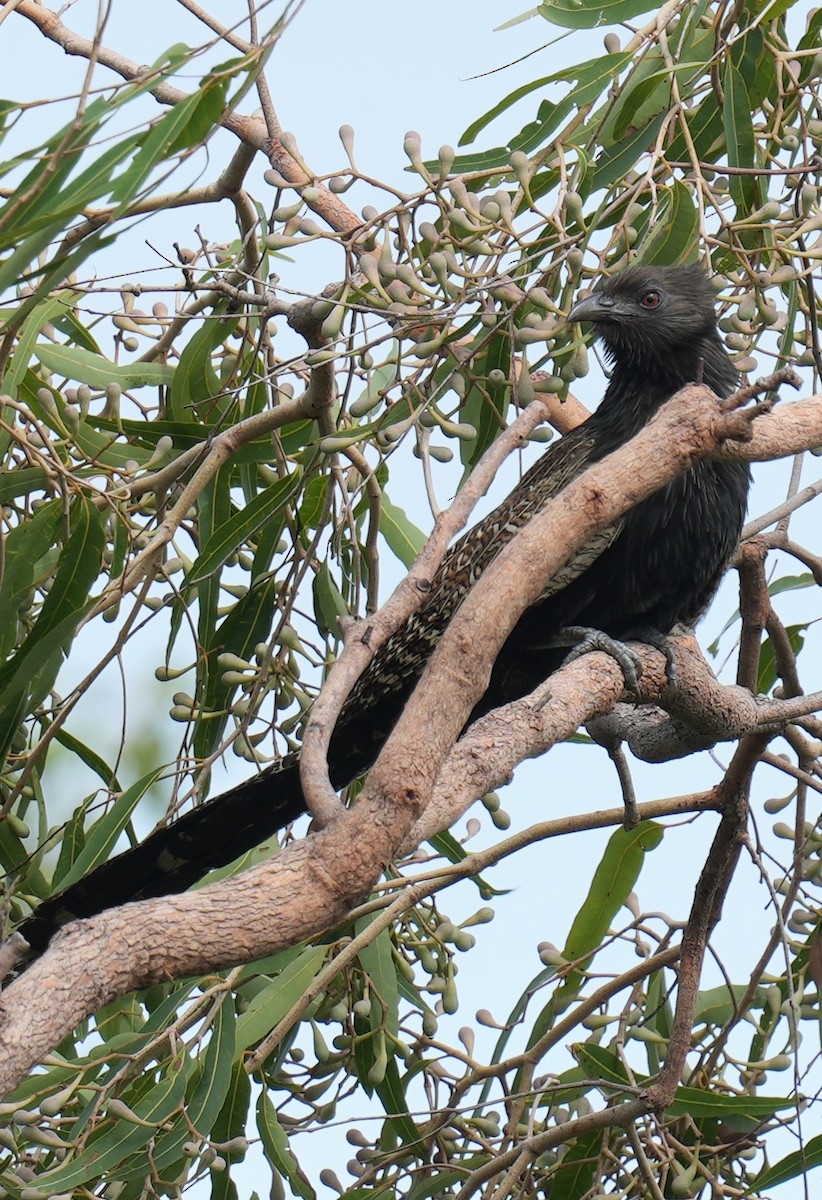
(642, 382)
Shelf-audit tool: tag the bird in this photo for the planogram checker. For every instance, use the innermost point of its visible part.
(655, 568)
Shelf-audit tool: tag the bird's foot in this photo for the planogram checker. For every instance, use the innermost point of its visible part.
(662, 643)
(584, 640)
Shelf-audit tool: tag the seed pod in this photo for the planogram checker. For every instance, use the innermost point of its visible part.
(412, 145)
(784, 274)
(447, 155)
(551, 384)
(524, 389)
(527, 337)
(17, 826)
(119, 1109)
(376, 1073)
(450, 999)
(541, 299)
(459, 429)
(320, 1048)
(777, 803)
(683, 1184)
(317, 357)
(287, 212)
(521, 166)
(481, 917)
(573, 206)
(346, 134)
(745, 365)
(112, 405)
(579, 362)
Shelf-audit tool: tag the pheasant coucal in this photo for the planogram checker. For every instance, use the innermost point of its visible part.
(658, 566)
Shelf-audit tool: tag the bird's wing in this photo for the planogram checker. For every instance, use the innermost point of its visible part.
(405, 653)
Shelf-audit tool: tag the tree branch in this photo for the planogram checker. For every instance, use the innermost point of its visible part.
(312, 885)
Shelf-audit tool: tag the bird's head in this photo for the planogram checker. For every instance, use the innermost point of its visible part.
(650, 310)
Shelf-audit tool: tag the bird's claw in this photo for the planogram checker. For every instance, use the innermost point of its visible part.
(662, 643)
(584, 640)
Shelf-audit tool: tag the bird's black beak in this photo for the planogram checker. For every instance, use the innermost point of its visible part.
(596, 308)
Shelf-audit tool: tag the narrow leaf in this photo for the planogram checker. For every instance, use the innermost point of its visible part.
(84, 367)
(100, 839)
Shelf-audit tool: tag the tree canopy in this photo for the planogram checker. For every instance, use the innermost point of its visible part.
(204, 468)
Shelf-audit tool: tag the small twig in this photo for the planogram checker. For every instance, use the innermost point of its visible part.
(775, 515)
(709, 896)
(768, 383)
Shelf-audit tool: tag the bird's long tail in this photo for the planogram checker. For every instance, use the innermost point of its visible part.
(176, 856)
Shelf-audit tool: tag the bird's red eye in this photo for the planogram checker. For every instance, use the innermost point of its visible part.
(651, 299)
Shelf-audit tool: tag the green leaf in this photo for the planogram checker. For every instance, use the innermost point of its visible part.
(329, 604)
(205, 113)
(42, 315)
(314, 503)
(377, 960)
(404, 539)
(615, 161)
(794, 1165)
(768, 672)
(591, 14)
(84, 367)
(22, 481)
(248, 623)
(272, 1003)
(613, 882)
(697, 1102)
(25, 547)
(716, 1006)
(214, 511)
(100, 839)
(232, 1119)
(241, 525)
(791, 583)
(674, 233)
(89, 757)
(31, 672)
(114, 1143)
(589, 78)
(71, 844)
(392, 1098)
(195, 380)
(486, 404)
(168, 135)
(739, 138)
(277, 1150)
(205, 1097)
(601, 1064)
(575, 1174)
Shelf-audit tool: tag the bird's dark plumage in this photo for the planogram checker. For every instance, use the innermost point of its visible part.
(658, 566)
